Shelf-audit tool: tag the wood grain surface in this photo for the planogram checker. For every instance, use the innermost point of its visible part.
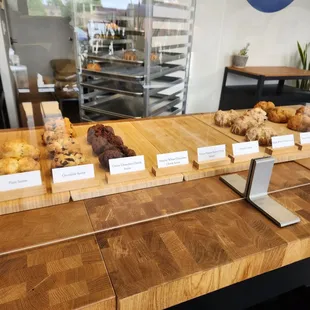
(159, 264)
(273, 71)
(68, 275)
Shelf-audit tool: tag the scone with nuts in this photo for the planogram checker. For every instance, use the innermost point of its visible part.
(280, 115)
(242, 124)
(299, 122)
(258, 114)
(265, 105)
(261, 133)
(225, 118)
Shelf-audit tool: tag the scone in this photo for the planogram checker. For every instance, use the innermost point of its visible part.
(304, 110)
(28, 164)
(265, 105)
(107, 155)
(60, 124)
(63, 145)
(19, 149)
(299, 122)
(280, 115)
(242, 124)
(9, 166)
(225, 118)
(261, 133)
(68, 160)
(258, 114)
(51, 136)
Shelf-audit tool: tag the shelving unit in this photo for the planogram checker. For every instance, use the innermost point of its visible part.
(143, 87)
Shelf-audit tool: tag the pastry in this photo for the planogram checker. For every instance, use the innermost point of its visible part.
(68, 160)
(28, 164)
(299, 122)
(19, 149)
(63, 145)
(154, 57)
(127, 151)
(107, 155)
(99, 144)
(261, 133)
(242, 124)
(265, 105)
(225, 118)
(304, 110)
(60, 124)
(51, 136)
(258, 114)
(280, 115)
(94, 67)
(130, 55)
(99, 130)
(9, 166)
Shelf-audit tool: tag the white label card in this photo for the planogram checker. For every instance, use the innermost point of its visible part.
(245, 148)
(127, 164)
(20, 180)
(282, 141)
(211, 152)
(76, 173)
(305, 138)
(172, 159)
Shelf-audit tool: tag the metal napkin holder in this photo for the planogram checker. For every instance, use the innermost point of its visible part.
(255, 190)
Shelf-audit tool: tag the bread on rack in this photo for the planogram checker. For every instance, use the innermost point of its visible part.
(154, 57)
(265, 105)
(280, 115)
(260, 133)
(19, 149)
(258, 114)
(68, 159)
(242, 124)
(130, 56)
(299, 122)
(15, 165)
(225, 118)
(94, 67)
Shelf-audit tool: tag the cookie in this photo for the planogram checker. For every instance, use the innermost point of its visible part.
(258, 114)
(260, 133)
(242, 124)
(265, 105)
(19, 149)
(280, 115)
(225, 118)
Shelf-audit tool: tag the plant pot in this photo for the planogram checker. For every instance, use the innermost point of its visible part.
(239, 61)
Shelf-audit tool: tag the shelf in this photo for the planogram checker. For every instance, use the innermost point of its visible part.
(172, 5)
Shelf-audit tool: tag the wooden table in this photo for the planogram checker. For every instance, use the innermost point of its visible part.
(263, 74)
(151, 248)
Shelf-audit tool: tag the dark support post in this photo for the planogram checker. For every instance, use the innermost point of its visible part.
(280, 87)
(223, 86)
(260, 87)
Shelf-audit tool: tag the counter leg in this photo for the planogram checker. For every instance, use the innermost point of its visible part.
(223, 86)
(280, 87)
(260, 87)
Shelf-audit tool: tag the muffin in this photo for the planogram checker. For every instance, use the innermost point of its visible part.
(107, 155)
(261, 133)
(265, 105)
(242, 124)
(225, 118)
(280, 115)
(258, 114)
(299, 122)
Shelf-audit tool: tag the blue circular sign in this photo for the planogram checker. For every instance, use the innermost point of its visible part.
(270, 6)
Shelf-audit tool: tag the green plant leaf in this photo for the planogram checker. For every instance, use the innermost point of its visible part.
(301, 54)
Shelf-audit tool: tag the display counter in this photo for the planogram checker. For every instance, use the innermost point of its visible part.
(149, 242)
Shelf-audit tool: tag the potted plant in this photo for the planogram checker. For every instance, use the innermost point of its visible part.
(303, 53)
(242, 57)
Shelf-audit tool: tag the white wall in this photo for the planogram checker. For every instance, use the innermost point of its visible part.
(223, 27)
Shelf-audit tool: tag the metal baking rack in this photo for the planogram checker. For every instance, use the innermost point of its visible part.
(141, 87)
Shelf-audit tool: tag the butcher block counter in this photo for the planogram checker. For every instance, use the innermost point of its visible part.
(153, 247)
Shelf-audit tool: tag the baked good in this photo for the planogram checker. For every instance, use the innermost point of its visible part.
(225, 118)
(280, 115)
(127, 151)
(242, 124)
(130, 55)
(60, 124)
(260, 133)
(304, 110)
(154, 57)
(28, 164)
(107, 155)
(19, 149)
(9, 166)
(299, 122)
(99, 130)
(51, 136)
(258, 114)
(94, 67)
(265, 105)
(68, 160)
(99, 144)
(63, 145)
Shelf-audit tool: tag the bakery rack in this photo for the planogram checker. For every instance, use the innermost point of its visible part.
(140, 87)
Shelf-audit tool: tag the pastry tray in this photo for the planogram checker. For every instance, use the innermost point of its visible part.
(132, 72)
(118, 57)
(133, 88)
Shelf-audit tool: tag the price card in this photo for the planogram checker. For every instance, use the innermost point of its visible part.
(305, 138)
(282, 141)
(172, 159)
(20, 180)
(245, 148)
(211, 152)
(127, 164)
(76, 173)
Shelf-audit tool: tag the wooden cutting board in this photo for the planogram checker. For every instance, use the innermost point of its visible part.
(134, 140)
(49, 199)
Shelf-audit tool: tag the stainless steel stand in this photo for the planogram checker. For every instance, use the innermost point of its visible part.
(255, 190)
